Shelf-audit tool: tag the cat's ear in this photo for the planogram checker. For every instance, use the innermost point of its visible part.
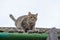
(36, 14)
(29, 13)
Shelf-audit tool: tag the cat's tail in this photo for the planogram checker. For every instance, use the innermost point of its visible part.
(12, 17)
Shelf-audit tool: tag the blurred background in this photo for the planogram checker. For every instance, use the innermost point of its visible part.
(48, 12)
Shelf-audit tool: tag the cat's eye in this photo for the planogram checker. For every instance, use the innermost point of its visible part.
(31, 17)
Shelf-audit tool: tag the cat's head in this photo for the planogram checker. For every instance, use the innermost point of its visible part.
(32, 17)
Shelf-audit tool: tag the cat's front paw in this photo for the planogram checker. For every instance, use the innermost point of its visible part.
(21, 31)
(33, 31)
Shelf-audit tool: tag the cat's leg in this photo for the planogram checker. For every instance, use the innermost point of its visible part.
(33, 27)
(33, 30)
(20, 29)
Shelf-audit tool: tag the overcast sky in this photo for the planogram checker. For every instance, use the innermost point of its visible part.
(48, 12)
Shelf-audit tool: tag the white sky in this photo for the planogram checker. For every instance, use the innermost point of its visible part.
(48, 12)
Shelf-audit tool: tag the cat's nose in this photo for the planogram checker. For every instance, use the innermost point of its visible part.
(33, 19)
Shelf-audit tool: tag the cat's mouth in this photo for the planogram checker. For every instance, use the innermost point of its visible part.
(32, 22)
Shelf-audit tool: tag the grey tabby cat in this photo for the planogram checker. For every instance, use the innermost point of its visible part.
(25, 22)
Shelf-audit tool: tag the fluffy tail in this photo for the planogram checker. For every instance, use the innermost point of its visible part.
(12, 17)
